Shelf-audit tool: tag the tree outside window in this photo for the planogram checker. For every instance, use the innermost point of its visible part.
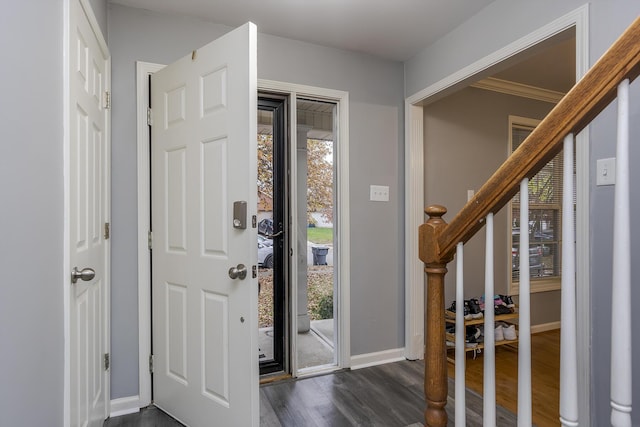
(319, 174)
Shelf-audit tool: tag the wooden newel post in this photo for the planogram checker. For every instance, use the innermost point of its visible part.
(435, 355)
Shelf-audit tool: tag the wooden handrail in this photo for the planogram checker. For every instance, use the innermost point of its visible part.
(438, 240)
(572, 114)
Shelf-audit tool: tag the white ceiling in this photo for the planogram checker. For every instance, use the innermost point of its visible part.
(390, 29)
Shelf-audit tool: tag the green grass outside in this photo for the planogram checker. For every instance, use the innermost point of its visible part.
(320, 235)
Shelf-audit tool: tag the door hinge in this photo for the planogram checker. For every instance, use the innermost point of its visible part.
(107, 362)
(151, 363)
(107, 230)
(149, 117)
(150, 240)
(107, 100)
(254, 221)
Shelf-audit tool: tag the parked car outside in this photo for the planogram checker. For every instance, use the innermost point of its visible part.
(536, 267)
(265, 226)
(546, 239)
(265, 252)
(265, 240)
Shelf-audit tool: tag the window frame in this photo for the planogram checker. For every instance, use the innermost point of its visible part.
(537, 284)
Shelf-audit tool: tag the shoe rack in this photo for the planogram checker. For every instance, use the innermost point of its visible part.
(450, 318)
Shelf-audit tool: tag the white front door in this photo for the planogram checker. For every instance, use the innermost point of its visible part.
(89, 152)
(204, 159)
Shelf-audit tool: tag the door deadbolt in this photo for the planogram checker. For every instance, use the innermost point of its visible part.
(239, 272)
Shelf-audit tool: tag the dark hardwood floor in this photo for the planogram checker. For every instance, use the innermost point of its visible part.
(388, 395)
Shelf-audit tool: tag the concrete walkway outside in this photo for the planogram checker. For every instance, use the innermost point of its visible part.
(315, 348)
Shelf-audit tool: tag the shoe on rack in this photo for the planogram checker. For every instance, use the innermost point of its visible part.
(497, 300)
(474, 308)
(499, 333)
(473, 334)
(467, 311)
(502, 309)
(510, 333)
(452, 309)
(507, 300)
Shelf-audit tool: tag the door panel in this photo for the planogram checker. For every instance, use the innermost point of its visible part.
(272, 178)
(88, 209)
(203, 160)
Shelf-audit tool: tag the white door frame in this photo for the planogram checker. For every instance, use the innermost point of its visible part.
(66, 266)
(143, 71)
(414, 191)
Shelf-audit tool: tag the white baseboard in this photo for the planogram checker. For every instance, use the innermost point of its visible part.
(544, 327)
(378, 358)
(125, 405)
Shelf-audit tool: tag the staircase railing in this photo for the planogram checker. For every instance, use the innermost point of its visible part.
(438, 240)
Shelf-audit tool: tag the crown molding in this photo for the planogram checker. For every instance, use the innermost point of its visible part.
(519, 89)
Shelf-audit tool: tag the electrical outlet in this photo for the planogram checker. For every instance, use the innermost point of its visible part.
(379, 193)
(606, 171)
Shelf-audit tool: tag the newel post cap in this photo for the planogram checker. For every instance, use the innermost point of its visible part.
(428, 234)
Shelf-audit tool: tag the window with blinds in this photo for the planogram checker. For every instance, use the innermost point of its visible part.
(545, 218)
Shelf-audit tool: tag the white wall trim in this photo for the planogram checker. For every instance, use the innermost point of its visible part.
(125, 406)
(583, 291)
(377, 358)
(143, 71)
(575, 18)
(544, 327)
(414, 216)
(66, 226)
(519, 89)
(414, 188)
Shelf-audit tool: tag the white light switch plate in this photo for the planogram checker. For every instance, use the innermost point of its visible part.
(379, 193)
(606, 171)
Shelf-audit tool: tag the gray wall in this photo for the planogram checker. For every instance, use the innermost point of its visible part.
(99, 8)
(493, 28)
(469, 130)
(376, 137)
(31, 237)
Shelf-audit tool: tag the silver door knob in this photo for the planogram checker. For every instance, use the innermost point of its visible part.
(85, 274)
(239, 272)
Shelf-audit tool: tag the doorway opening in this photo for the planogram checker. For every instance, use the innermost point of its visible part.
(575, 23)
(308, 277)
(341, 235)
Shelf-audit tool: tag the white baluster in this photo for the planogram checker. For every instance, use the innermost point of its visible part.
(568, 331)
(489, 395)
(461, 407)
(621, 292)
(524, 322)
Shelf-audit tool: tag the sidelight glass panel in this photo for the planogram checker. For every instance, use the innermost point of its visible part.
(316, 282)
